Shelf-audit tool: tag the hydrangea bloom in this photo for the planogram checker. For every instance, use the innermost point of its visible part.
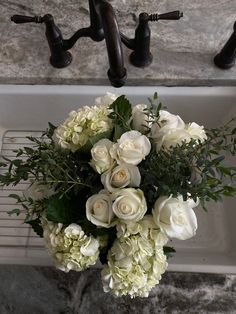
(136, 260)
(70, 247)
(82, 124)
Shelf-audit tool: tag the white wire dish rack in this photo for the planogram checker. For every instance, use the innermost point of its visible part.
(26, 110)
(18, 242)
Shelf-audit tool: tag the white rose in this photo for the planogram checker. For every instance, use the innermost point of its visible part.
(101, 158)
(176, 217)
(131, 148)
(172, 138)
(121, 176)
(196, 132)
(129, 204)
(106, 100)
(140, 118)
(169, 131)
(167, 121)
(99, 209)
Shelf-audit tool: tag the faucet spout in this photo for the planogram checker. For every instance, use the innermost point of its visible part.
(117, 72)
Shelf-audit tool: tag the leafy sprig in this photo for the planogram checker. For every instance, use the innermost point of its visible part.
(69, 174)
(121, 112)
(48, 164)
(194, 169)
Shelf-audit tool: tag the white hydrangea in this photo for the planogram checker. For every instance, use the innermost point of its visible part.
(136, 260)
(146, 227)
(82, 124)
(70, 247)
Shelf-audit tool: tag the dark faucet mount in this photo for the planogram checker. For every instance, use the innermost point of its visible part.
(225, 59)
(103, 25)
(141, 55)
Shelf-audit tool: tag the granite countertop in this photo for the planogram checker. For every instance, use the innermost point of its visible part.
(45, 290)
(183, 50)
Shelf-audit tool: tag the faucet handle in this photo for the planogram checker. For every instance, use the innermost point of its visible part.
(60, 57)
(174, 15)
(20, 19)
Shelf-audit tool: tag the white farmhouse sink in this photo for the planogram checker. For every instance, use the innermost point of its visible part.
(27, 109)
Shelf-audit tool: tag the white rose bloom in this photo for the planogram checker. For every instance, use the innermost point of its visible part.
(176, 217)
(101, 158)
(171, 130)
(38, 191)
(172, 138)
(99, 209)
(130, 204)
(121, 176)
(106, 100)
(167, 121)
(196, 131)
(131, 148)
(140, 118)
(70, 247)
(135, 262)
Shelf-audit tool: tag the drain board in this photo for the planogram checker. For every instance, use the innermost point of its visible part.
(18, 242)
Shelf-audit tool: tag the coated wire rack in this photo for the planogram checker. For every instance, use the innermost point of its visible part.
(18, 242)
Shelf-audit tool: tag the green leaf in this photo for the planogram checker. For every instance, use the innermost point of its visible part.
(36, 225)
(15, 211)
(50, 130)
(155, 96)
(15, 196)
(63, 209)
(118, 132)
(168, 251)
(16, 162)
(218, 160)
(121, 115)
(29, 150)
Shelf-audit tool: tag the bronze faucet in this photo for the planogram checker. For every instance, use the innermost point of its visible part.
(103, 25)
(225, 59)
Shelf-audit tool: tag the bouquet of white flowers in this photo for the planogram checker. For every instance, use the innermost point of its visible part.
(115, 183)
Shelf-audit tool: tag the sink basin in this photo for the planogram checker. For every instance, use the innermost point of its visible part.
(27, 109)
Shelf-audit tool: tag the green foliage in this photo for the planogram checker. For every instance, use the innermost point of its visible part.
(194, 169)
(15, 211)
(121, 115)
(49, 164)
(168, 251)
(63, 210)
(153, 111)
(36, 226)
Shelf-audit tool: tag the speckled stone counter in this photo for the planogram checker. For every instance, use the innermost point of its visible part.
(44, 290)
(183, 50)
